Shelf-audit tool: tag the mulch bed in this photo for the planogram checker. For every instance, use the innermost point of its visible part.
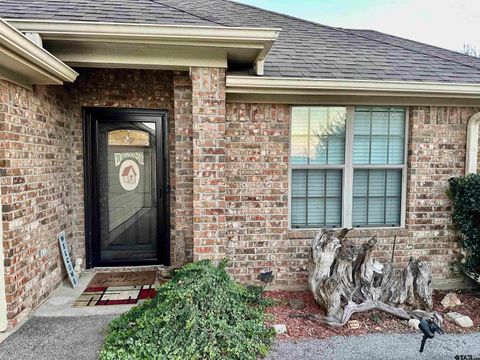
(370, 322)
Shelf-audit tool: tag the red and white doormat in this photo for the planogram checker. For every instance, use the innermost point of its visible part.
(118, 289)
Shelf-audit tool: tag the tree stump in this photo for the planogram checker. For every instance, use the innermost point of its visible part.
(345, 279)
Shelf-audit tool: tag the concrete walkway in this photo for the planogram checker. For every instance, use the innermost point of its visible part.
(56, 338)
(56, 330)
(379, 347)
(80, 338)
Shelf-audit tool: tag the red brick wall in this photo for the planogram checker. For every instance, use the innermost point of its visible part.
(182, 218)
(208, 116)
(229, 176)
(41, 168)
(258, 237)
(257, 138)
(40, 156)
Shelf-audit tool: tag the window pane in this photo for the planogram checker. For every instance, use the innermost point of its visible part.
(299, 212)
(379, 135)
(316, 183)
(392, 210)
(397, 123)
(316, 212)
(336, 150)
(333, 212)
(318, 150)
(359, 211)
(362, 123)
(300, 123)
(377, 197)
(380, 123)
(396, 150)
(318, 135)
(379, 145)
(299, 183)
(316, 198)
(376, 183)
(360, 183)
(376, 211)
(394, 183)
(361, 149)
(334, 183)
(299, 149)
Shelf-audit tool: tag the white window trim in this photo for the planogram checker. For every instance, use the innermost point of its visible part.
(471, 165)
(348, 167)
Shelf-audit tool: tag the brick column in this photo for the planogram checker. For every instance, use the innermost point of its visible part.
(182, 183)
(208, 110)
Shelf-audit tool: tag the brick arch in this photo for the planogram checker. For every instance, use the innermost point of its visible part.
(473, 135)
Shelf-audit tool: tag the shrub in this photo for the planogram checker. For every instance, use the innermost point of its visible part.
(200, 314)
(465, 195)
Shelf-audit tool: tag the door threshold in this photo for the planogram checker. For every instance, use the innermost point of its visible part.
(162, 270)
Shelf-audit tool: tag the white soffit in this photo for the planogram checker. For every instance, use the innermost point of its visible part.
(25, 63)
(151, 46)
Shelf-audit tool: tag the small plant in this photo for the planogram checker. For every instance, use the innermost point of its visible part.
(376, 319)
(200, 314)
(465, 195)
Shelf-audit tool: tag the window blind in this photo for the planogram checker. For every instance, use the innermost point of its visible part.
(316, 198)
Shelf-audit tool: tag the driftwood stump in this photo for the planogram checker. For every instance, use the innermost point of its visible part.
(345, 279)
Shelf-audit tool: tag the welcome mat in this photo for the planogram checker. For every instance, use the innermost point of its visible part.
(118, 289)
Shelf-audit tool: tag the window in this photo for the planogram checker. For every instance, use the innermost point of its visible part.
(347, 166)
(318, 160)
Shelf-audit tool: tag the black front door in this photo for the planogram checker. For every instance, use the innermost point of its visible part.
(127, 187)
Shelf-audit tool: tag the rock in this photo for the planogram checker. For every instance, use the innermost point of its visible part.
(413, 323)
(297, 304)
(280, 329)
(459, 319)
(353, 324)
(450, 300)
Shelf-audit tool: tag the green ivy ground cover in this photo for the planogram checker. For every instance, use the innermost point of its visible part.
(200, 314)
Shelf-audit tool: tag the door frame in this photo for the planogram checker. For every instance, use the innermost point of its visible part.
(91, 116)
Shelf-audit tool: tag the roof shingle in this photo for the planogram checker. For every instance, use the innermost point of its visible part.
(304, 49)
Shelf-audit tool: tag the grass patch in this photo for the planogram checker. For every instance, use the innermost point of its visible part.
(200, 314)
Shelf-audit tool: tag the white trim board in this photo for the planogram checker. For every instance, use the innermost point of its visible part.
(25, 63)
(473, 133)
(330, 87)
(242, 44)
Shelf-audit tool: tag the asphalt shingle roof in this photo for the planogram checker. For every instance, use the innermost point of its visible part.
(304, 49)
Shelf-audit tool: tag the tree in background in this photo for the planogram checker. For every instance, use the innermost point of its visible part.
(470, 50)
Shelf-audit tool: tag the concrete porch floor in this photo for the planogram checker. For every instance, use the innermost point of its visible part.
(59, 304)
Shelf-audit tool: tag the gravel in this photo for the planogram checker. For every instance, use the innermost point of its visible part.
(80, 338)
(379, 346)
(56, 338)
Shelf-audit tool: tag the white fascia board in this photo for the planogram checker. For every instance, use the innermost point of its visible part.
(297, 86)
(217, 36)
(31, 61)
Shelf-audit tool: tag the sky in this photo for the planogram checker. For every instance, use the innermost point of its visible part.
(445, 23)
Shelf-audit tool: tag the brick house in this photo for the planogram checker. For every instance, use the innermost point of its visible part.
(247, 130)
